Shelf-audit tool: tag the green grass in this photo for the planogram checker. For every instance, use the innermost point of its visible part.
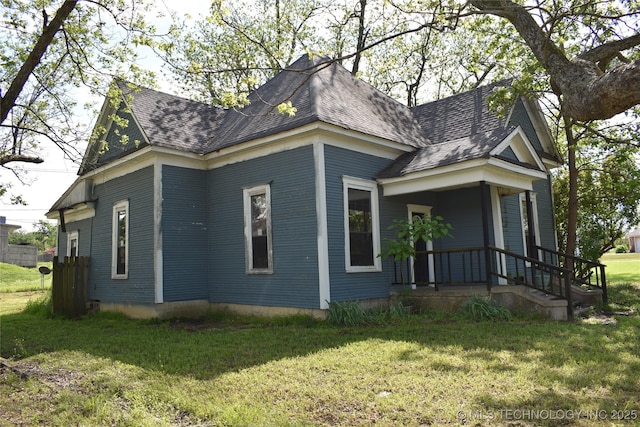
(411, 370)
(20, 279)
(622, 267)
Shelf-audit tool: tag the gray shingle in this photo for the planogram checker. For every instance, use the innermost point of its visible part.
(320, 90)
(460, 115)
(443, 132)
(460, 127)
(175, 122)
(470, 147)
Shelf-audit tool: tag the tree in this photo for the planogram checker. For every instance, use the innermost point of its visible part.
(241, 44)
(597, 83)
(43, 237)
(50, 47)
(608, 189)
(21, 237)
(45, 234)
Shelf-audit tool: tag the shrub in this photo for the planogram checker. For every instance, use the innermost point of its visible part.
(347, 313)
(39, 307)
(480, 309)
(621, 249)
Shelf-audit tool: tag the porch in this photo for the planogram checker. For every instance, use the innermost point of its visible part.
(448, 278)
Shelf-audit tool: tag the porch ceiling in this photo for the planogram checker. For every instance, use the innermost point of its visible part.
(508, 177)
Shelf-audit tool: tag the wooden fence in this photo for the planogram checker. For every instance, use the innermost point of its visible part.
(69, 291)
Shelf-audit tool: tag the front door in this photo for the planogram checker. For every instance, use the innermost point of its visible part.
(421, 267)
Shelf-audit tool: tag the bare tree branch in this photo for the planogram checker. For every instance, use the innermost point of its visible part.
(8, 158)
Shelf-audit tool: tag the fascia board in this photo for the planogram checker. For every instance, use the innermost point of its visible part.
(521, 146)
(307, 135)
(540, 126)
(493, 171)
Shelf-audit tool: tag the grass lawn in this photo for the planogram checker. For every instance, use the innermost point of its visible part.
(426, 369)
(20, 279)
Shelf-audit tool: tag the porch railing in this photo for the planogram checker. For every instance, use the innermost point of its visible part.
(492, 266)
(587, 273)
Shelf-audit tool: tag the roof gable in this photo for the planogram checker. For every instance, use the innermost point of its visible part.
(153, 118)
(463, 128)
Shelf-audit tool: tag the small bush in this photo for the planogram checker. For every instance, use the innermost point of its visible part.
(480, 309)
(347, 313)
(621, 249)
(39, 307)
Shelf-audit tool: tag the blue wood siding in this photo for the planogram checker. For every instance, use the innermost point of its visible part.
(294, 282)
(512, 223)
(135, 139)
(512, 220)
(184, 234)
(546, 217)
(137, 188)
(462, 209)
(519, 116)
(83, 227)
(340, 162)
(509, 154)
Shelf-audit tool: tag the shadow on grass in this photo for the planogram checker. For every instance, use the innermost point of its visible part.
(577, 355)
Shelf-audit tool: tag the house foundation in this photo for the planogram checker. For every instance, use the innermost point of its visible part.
(512, 297)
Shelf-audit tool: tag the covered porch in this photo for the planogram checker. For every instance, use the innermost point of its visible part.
(497, 241)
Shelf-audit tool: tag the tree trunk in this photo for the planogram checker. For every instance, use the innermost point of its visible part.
(572, 208)
(361, 38)
(589, 92)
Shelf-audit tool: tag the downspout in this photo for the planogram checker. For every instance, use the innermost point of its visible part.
(63, 226)
(485, 232)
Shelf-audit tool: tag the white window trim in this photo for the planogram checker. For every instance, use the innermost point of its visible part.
(123, 204)
(365, 185)
(536, 227)
(71, 236)
(247, 193)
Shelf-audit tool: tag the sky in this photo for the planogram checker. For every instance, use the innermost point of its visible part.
(46, 182)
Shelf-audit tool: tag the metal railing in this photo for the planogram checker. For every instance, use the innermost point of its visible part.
(586, 273)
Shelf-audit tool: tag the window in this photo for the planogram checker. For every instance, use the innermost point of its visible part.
(362, 236)
(72, 244)
(526, 229)
(120, 241)
(257, 230)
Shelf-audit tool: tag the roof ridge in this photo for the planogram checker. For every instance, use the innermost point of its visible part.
(480, 88)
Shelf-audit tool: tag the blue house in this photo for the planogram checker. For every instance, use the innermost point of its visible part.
(183, 207)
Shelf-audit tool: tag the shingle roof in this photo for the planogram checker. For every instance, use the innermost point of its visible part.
(460, 127)
(320, 90)
(446, 153)
(459, 115)
(443, 132)
(171, 121)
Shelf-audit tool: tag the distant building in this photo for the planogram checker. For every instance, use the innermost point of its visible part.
(634, 240)
(22, 255)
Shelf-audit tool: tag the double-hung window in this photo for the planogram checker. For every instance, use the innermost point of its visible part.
(72, 244)
(361, 225)
(257, 230)
(120, 241)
